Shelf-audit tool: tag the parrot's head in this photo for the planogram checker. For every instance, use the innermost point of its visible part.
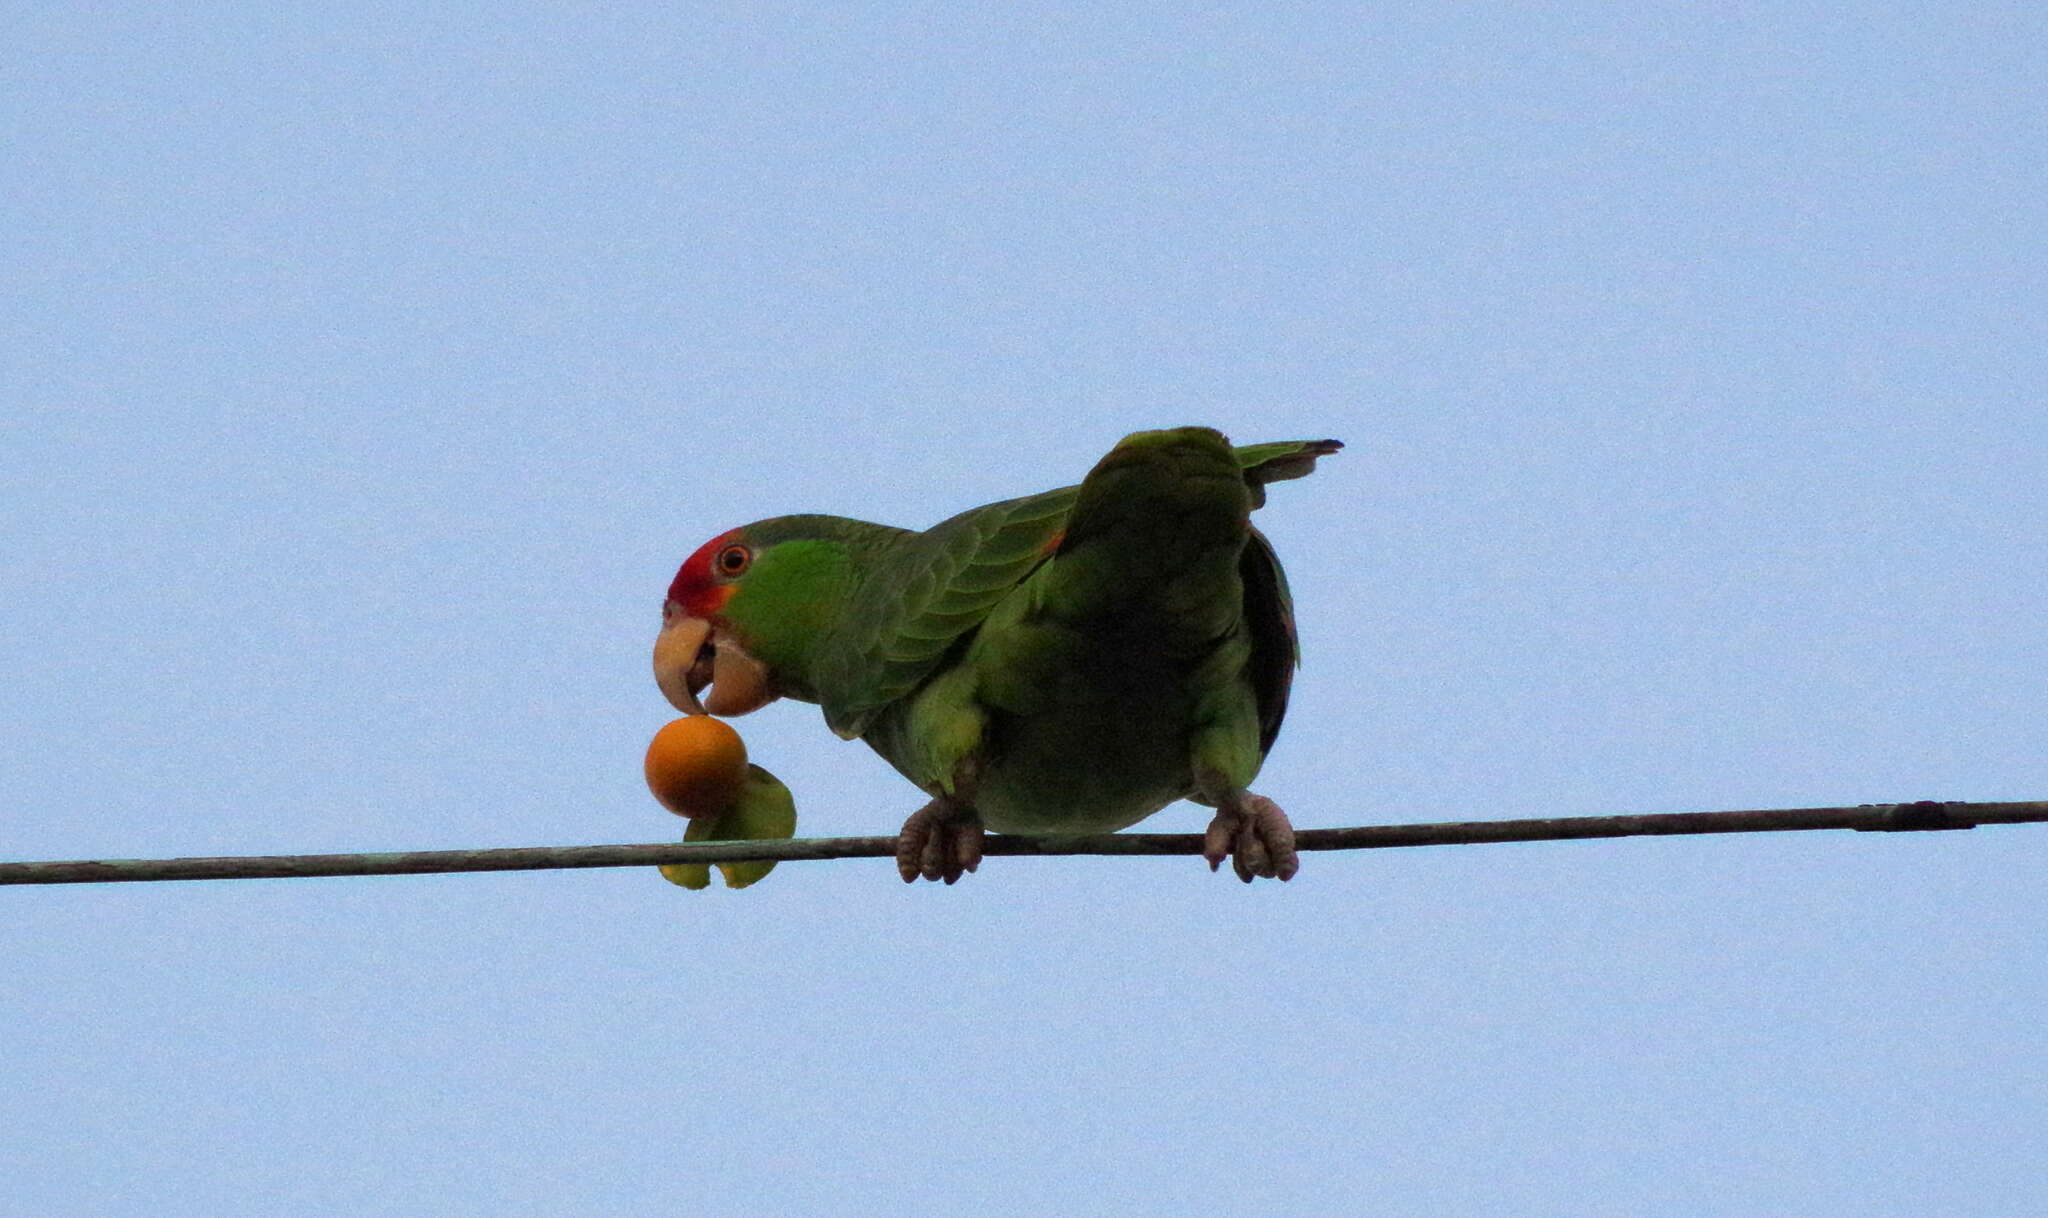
(699, 644)
(745, 613)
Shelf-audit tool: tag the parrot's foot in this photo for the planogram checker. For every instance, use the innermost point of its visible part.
(1255, 835)
(940, 841)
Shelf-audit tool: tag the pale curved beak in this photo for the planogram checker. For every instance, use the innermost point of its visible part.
(678, 649)
(689, 655)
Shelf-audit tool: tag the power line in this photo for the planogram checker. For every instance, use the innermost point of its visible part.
(1907, 817)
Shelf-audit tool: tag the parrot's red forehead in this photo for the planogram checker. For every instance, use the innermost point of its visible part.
(694, 589)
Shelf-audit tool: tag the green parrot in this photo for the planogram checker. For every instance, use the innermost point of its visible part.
(1061, 664)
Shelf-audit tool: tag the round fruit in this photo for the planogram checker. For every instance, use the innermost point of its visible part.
(696, 766)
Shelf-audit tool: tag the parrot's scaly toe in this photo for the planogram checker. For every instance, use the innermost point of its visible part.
(940, 841)
(1257, 838)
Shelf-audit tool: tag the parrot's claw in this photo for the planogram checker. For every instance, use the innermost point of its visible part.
(940, 841)
(1255, 835)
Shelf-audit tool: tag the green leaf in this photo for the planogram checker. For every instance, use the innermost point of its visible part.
(688, 875)
(764, 811)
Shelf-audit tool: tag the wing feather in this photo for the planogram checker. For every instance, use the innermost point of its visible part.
(1276, 648)
(933, 589)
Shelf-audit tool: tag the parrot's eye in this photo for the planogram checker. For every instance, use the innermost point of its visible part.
(732, 561)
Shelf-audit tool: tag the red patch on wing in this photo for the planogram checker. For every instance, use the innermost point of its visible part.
(694, 589)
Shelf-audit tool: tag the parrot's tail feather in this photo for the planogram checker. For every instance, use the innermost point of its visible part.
(1266, 463)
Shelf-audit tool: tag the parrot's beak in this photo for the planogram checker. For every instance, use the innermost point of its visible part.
(682, 660)
(689, 655)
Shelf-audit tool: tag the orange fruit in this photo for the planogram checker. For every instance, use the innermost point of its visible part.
(696, 766)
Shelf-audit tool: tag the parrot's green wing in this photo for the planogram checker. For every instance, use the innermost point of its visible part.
(1269, 617)
(932, 589)
(928, 591)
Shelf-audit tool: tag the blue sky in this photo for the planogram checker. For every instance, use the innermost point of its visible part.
(364, 376)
